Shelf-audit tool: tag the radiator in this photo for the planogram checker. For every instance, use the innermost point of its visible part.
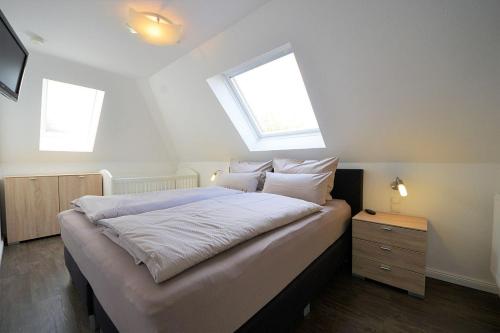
(130, 185)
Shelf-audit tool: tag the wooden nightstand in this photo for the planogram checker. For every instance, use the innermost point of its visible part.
(390, 248)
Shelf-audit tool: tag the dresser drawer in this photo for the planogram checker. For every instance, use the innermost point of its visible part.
(390, 255)
(392, 275)
(391, 235)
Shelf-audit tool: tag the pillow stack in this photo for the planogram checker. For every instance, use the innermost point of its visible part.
(309, 180)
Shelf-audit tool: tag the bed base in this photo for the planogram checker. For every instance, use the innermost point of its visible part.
(279, 315)
(283, 312)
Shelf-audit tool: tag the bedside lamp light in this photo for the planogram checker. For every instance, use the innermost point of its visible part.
(215, 174)
(398, 185)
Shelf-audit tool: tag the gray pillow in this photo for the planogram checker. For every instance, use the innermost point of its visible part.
(308, 187)
(246, 167)
(246, 182)
(285, 165)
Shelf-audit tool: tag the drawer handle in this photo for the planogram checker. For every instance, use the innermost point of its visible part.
(385, 268)
(81, 177)
(386, 228)
(32, 178)
(385, 248)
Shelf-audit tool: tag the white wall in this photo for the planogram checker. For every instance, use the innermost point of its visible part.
(399, 87)
(457, 200)
(127, 141)
(389, 80)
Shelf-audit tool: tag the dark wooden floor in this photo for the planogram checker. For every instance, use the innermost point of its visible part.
(354, 305)
(36, 295)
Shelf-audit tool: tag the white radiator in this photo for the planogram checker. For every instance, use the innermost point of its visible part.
(130, 185)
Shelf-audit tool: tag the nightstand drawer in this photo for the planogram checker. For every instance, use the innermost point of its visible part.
(392, 275)
(389, 254)
(388, 234)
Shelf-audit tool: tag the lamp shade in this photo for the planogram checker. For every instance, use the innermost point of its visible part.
(215, 174)
(154, 29)
(402, 190)
(398, 185)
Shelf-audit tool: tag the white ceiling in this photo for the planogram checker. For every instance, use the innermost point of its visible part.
(94, 31)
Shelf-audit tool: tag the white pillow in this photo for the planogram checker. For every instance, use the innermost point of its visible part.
(246, 182)
(245, 167)
(284, 165)
(308, 187)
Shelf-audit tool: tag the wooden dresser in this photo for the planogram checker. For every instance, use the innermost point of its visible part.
(33, 202)
(390, 248)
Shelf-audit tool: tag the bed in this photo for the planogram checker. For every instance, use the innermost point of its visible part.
(260, 285)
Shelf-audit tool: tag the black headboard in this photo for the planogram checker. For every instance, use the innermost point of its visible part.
(349, 187)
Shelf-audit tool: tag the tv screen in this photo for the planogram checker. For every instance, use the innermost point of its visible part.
(13, 57)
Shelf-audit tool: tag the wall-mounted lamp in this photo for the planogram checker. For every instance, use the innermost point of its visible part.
(398, 185)
(215, 174)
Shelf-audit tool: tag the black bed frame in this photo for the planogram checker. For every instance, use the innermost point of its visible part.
(284, 310)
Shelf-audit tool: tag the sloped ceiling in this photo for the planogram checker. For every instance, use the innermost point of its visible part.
(390, 80)
(94, 32)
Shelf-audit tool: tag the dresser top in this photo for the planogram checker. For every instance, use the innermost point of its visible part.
(397, 220)
(55, 175)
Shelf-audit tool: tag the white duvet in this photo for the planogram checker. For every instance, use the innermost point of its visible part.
(97, 207)
(172, 240)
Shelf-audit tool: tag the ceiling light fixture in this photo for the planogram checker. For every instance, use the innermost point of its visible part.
(35, 39)
(154, 28)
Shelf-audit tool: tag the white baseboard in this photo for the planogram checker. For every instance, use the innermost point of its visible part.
(462, 280)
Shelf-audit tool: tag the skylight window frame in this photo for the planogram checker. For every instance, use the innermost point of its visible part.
(48, 139)
(242, 119)
(240, 97)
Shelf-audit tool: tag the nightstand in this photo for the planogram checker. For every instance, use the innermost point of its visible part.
(390, 248)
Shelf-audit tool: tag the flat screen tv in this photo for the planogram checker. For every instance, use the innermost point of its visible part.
(13, 57)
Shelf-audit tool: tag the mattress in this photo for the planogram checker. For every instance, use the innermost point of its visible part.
(217, 295)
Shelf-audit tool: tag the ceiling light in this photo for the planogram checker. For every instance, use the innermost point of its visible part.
(154, 28)
(132, 31)
(35, 39)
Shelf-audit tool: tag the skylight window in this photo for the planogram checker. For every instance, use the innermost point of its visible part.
(275, 97)
(70, 116)
(267, 101)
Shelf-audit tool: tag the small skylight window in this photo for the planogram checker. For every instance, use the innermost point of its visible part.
(70, 116)
(267, 101)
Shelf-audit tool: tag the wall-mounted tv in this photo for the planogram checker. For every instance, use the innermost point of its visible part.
(13, 57)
